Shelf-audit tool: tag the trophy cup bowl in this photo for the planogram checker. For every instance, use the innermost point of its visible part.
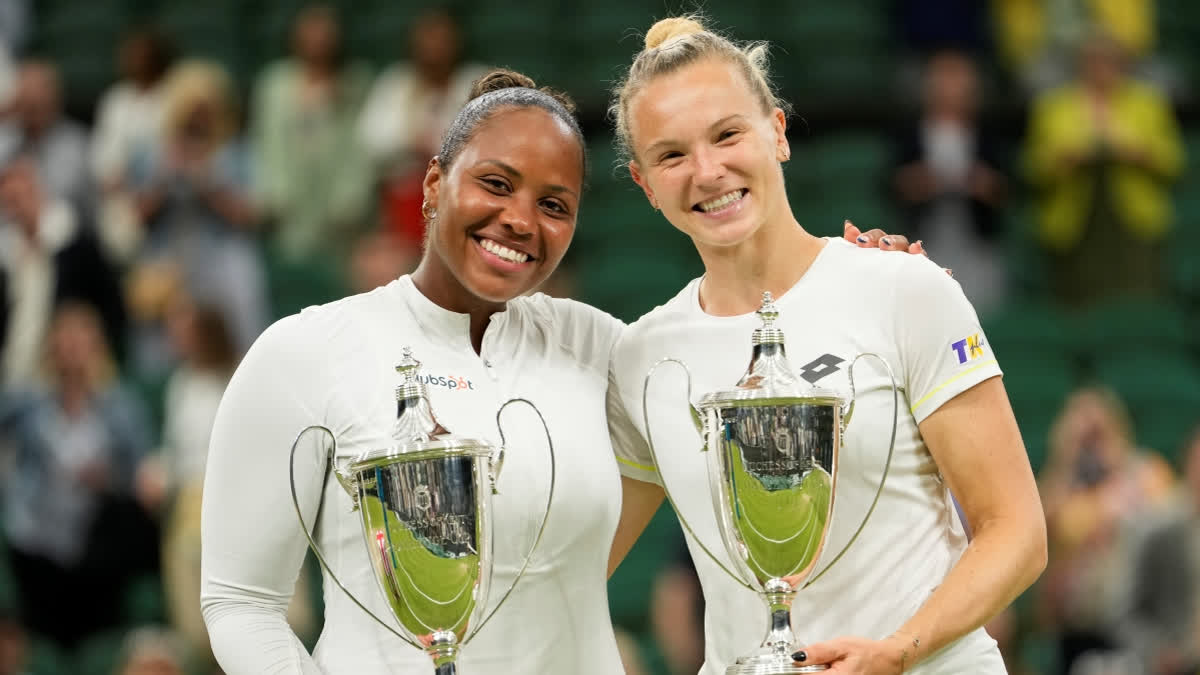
(772, 446)
(424, 498)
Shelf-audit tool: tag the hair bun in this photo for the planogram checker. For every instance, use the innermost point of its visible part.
(500, 78)
(669, 29)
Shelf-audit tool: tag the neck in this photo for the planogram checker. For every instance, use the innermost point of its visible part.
(772, 260)
(435, 282)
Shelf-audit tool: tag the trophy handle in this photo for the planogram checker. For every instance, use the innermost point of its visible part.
(496, 464)
(704, 433)
(347, 484)
(887, 465)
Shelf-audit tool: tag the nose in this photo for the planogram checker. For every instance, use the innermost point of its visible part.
(519, 217)
(709, 170)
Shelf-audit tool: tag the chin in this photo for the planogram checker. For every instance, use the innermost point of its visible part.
(726, 235)
(497, 289)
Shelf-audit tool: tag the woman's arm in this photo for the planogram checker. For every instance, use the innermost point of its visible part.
(639, 503)
(977, 446)
(252, 545)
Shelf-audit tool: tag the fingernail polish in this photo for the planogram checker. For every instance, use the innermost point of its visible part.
(886, 241)
(800, 656)
(862, 238)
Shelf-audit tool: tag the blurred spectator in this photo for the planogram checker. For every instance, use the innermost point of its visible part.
(930, 25)
(14, 31)
(677, 614)
(200, 336)
(152, 651)
(46, 257)
(948, 180)
(1164, 617)
(1038, 37)
(379, 258)
(1098, 489)
(129, 115)
(193, 199)
(128, 121)
(406, 115)
(315, 176)
(1104, 152)
(14, 646)
(37, 128)
(73, 531)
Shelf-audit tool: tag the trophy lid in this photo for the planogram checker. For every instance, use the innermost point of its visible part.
(417, 432)
(769, 377)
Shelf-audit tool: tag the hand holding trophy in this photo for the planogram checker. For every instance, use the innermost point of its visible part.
(425, 501)
(772, 445)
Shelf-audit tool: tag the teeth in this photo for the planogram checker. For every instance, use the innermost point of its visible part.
(503, 251)
(723, 200)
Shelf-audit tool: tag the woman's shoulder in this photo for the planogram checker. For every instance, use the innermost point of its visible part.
(586, 331)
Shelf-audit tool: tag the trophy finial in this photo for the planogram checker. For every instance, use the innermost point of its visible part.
(414, 417)
(768, 313)
(409, 367)
(767, 333)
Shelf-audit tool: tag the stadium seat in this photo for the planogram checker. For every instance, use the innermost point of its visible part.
(1130, 325)
(1162, 391)
(1037, 386)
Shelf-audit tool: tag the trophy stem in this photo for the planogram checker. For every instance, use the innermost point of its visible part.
(780, 638)
(444, 652)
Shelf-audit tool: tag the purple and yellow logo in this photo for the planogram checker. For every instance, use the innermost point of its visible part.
(968, 348)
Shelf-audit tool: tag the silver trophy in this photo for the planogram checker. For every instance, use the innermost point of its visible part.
(772, 445)
(425, 501)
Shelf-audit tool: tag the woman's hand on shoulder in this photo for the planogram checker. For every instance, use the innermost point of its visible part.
(877, 238)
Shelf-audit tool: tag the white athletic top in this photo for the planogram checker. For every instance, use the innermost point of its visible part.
(851, 300)
(335, 365)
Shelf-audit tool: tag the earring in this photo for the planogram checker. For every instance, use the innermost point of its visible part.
(428, 211)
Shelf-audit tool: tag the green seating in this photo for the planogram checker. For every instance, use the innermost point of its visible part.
(1132, 325)
(1162, 391)
(1029, 329)
(1037, 386)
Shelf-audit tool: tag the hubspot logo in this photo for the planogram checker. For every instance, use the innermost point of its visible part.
(447, 381)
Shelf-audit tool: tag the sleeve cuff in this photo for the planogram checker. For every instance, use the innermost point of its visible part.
(646, 473)
(955, 385)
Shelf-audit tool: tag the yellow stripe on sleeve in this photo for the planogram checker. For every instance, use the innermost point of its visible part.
(948, 382)
(635, 465)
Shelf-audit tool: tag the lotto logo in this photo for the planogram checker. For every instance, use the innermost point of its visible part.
(968, 348)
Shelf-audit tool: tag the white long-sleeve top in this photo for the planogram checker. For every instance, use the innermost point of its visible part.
(334, 365)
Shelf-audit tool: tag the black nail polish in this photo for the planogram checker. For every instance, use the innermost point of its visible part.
(800, 656)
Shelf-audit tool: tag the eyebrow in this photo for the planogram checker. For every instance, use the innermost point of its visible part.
(512, 171)
(667, 141)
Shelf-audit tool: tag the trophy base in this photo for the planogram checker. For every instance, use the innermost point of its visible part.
(770, 664)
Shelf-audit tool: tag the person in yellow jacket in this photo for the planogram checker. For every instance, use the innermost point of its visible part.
(1103, 153)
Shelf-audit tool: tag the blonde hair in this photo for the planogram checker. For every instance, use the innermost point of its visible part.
(676, 42)
(198, 81)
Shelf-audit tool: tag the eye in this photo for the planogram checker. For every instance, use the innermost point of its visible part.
(556, 207)
(496, 184)
(669, 155)
(727, 134)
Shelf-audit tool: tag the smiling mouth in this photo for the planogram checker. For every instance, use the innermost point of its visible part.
(503, 252)
(718, 203)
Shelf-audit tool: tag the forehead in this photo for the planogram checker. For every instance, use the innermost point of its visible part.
(689, 101)
(531, 140)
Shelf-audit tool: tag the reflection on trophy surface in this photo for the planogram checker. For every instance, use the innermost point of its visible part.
(425, 500)
(772, 444)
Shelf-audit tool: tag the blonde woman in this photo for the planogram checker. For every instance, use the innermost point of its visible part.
(705, 134)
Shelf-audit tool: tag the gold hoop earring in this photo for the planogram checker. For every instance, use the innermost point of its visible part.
(428, 211)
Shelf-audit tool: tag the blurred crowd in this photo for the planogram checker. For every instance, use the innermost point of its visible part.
(141, 253)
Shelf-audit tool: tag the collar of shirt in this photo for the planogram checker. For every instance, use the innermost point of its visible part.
(437, 322)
